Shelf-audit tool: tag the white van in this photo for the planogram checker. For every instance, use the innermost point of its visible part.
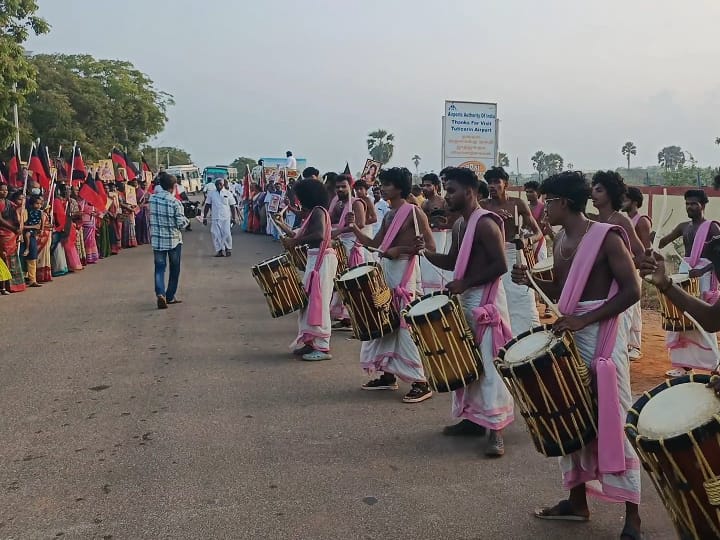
(188, 176)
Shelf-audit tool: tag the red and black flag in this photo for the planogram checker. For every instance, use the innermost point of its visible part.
(89, 192)
(145, 165)
(60, 165)
(13, 166)
(75, 167)
(349, 175)
(37, 167)
(132, 171)
(100, 188)
(119, 159)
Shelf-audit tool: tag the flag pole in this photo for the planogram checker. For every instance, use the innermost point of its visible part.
(27, 169)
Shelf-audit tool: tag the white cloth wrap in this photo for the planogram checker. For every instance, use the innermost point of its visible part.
(520, 298)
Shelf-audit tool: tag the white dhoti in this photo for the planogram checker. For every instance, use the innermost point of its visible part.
(433, 278)
(634, 323)
(582, 467)
(487, 401)
(396, 352)
(318, 337)
(694, 349)
(221, 233)
(520, 298)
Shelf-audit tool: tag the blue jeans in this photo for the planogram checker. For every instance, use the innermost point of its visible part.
(173, 256)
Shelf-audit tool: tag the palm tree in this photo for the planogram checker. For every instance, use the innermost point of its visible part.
(629, 149)
(538, 161)
(717, 141)
(416, 160)
(671, 157)
(380, 145)
(503, 160)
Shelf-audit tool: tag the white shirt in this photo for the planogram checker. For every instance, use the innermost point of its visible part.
(221, 201)
(291, 163)
(180, 189)
(381, 208)
(238, 190)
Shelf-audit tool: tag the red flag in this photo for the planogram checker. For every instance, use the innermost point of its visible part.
(88, 191)
(347, 173)
(45, 160)
(38, 169)
(77, 167)
(246, 184)
(132, 170)
(145, 166)
(100, 188)
(118, 158)
(14, 167)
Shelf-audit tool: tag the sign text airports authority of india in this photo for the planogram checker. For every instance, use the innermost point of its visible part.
(470, 135)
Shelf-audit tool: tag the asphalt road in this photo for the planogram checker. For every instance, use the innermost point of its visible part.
(122, 421)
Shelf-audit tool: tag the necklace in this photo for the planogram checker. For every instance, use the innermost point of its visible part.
(562, 243)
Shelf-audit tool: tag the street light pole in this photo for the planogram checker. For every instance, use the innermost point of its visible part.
(16, 117)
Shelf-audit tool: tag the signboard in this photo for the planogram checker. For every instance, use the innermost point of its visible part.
(280, 162)
(470, 135)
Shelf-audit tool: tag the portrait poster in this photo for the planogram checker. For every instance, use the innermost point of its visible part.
(370, 171)
(106, 171)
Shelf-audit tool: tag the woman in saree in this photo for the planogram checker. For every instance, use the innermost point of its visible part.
(12, 217)
(114, 215)
(141, 215)
(44, 239)
(89, 231)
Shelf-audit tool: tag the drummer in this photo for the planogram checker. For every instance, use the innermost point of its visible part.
(595, 281)
(441, 223)
(706, 314)
(478, 259)
(695, 349)
(520, 299)
(343, 204)
(312, 343)
(395, 355)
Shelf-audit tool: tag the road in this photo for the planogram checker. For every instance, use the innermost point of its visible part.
(123, 421)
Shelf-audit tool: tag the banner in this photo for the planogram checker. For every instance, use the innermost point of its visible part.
(470, 135)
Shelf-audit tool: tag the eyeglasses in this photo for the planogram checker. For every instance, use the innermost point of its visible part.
(552, 199)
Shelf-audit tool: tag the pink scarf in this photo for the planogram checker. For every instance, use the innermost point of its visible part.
(313, 287)
(487, 314)
(611, 454)
(693, 260)
(401, 294)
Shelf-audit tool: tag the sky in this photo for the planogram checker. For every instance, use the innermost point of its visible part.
(256, 78)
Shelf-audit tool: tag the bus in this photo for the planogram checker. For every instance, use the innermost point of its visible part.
(210, 174)
(187, 175)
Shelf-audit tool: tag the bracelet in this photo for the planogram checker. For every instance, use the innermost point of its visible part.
(664, 288)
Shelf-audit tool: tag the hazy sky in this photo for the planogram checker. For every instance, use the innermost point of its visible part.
(258, 77)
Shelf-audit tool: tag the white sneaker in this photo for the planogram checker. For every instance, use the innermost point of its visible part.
(634, 354)
(316, 356)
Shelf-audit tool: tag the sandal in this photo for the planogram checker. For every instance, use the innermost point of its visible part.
(562, 511)
(631, 532)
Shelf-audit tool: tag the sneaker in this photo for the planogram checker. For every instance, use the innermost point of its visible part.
(301, 351)
(161, 302)
(344, 324)
(672, 373)
(495, 446)
(419, 392)
(228, 253)
(464, 428)
(34, 284)
(634, 354)
(384, 382)
(219, 254)
(174, 301)
(316, 356)
(4, 292)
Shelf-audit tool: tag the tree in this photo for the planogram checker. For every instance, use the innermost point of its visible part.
(629, 149)
(538, 161)
(17, 21)
(242, 163)
(177, 156)
(416, 160)
(717, 141)
(503, 160)
(553, 163)
(380, 145)
(99, 103)
(671, 157)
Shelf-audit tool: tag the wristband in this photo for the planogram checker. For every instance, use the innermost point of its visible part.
(666, 286)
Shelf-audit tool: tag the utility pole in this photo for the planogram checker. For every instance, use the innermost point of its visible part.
(16, 117)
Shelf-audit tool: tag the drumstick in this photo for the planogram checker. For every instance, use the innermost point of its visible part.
(549, 303)
(369, 248)
(518, 251)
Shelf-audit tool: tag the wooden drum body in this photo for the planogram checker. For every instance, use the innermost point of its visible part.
(342, 257)
(673, 319)
(675, 428)
(543, 269)
(447, 346)
(298, 256)
(368, 299)
(280, 284)
(552, 388)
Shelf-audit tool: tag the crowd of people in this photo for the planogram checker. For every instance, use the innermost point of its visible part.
(465, 235)
(45, 234)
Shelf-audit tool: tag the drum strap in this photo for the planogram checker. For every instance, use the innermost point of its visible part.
(314, 287)
(611, 453)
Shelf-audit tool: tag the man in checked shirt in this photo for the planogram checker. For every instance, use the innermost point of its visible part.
(167, 220)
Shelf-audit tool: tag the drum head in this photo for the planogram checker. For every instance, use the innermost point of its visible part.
(544, 266)
(530, 347)
(356, 272)
(679, 278)
(426, 305)
(677, 410)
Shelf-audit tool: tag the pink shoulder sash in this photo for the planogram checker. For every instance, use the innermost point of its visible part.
(610, 421)
(313, 286)
(699, 243)
(398, 221)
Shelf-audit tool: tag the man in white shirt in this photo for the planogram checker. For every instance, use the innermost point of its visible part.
(290, 162)
(381, 208)
(223, 206)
